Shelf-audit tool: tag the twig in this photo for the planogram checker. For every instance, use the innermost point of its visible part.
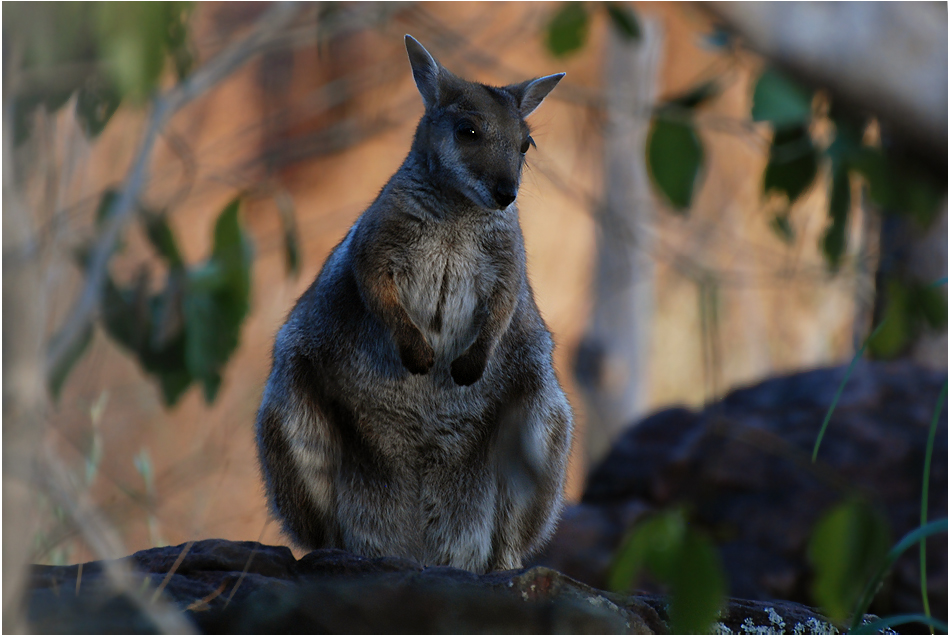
(163, 108)
(247, 565)
(171, 571)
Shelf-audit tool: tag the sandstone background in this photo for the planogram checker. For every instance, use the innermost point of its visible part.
(275, 131)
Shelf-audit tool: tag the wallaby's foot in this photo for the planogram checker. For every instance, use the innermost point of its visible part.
(417, 355)
(468, 368)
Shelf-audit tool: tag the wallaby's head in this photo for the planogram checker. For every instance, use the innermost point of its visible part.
(474, 137)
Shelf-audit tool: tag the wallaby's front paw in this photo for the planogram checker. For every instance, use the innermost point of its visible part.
(466, 369)
(417, 356)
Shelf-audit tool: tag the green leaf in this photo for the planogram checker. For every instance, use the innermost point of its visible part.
(624, 20)
(931, 305)
(653, 544)
(174, 384)
(782, 227)
(873, 166)
(675, 157)
(49, 36)
(176, 36)
(132, 38)
(85, 249)
(288, 221)
(107, 51)
(58, 375)
(160, 235)
(907, 307)
(52, 33)
(834, 240)
(698, 587)
(163, 356)
(567, 30)
(680, 557)
(896, 324)
(125, 315)
(848, 545)
(96, 103)
(779, 100)
(210, 336)
(139, 325)
(696, 96)
(105, 206)
(23, 114)
(896, 185)
(793, 163)
(216, 301)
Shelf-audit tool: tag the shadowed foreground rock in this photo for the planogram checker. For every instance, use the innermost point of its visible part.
(742, 467)
(246, 587)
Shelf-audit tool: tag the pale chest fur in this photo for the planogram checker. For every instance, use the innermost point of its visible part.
(443, 278)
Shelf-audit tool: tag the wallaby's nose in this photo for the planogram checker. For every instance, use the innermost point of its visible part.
(505, 193)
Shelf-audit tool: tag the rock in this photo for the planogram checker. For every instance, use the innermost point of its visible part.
(246, 587)
(742, 467)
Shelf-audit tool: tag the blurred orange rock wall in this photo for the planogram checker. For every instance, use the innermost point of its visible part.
(325, 126)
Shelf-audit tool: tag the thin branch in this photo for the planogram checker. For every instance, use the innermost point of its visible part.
(106, 543)
(163, 108)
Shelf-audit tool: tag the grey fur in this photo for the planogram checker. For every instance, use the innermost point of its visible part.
(412, 409)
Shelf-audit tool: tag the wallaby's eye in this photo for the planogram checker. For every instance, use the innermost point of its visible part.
(465, 131)
(527, 143)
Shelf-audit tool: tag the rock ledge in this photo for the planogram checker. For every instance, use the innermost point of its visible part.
(245, 587)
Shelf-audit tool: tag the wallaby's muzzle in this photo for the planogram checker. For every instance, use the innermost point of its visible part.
(504, 194)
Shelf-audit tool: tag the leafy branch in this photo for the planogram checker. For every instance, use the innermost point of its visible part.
(68, 342)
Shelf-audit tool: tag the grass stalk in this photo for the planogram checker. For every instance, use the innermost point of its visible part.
(925, 492)
(912, 538)
(844, 381)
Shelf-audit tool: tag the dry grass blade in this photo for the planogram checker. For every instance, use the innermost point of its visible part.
(247, 565)
(103, 539)
(171, 571)
(202, 604)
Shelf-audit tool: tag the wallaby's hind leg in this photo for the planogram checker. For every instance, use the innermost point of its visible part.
(532, 448)
(299, 458)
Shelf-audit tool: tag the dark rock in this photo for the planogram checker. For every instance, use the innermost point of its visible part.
(742, 467)
(216, 556)
(245, 587)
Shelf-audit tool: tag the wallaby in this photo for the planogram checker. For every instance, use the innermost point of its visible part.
(412, 409)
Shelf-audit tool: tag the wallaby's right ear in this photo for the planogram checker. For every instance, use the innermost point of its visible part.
(531, 93)
(425, 71)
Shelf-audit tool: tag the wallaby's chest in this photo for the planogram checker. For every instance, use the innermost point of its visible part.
(442, 280)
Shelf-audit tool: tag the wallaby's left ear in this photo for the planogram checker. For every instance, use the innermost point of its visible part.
(530, 94)
(425, 71)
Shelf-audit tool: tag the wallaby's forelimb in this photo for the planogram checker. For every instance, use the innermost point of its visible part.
(494, 315)
(378, 290)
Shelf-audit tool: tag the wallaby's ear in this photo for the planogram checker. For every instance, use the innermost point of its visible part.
(425, 71)
(530, 94)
